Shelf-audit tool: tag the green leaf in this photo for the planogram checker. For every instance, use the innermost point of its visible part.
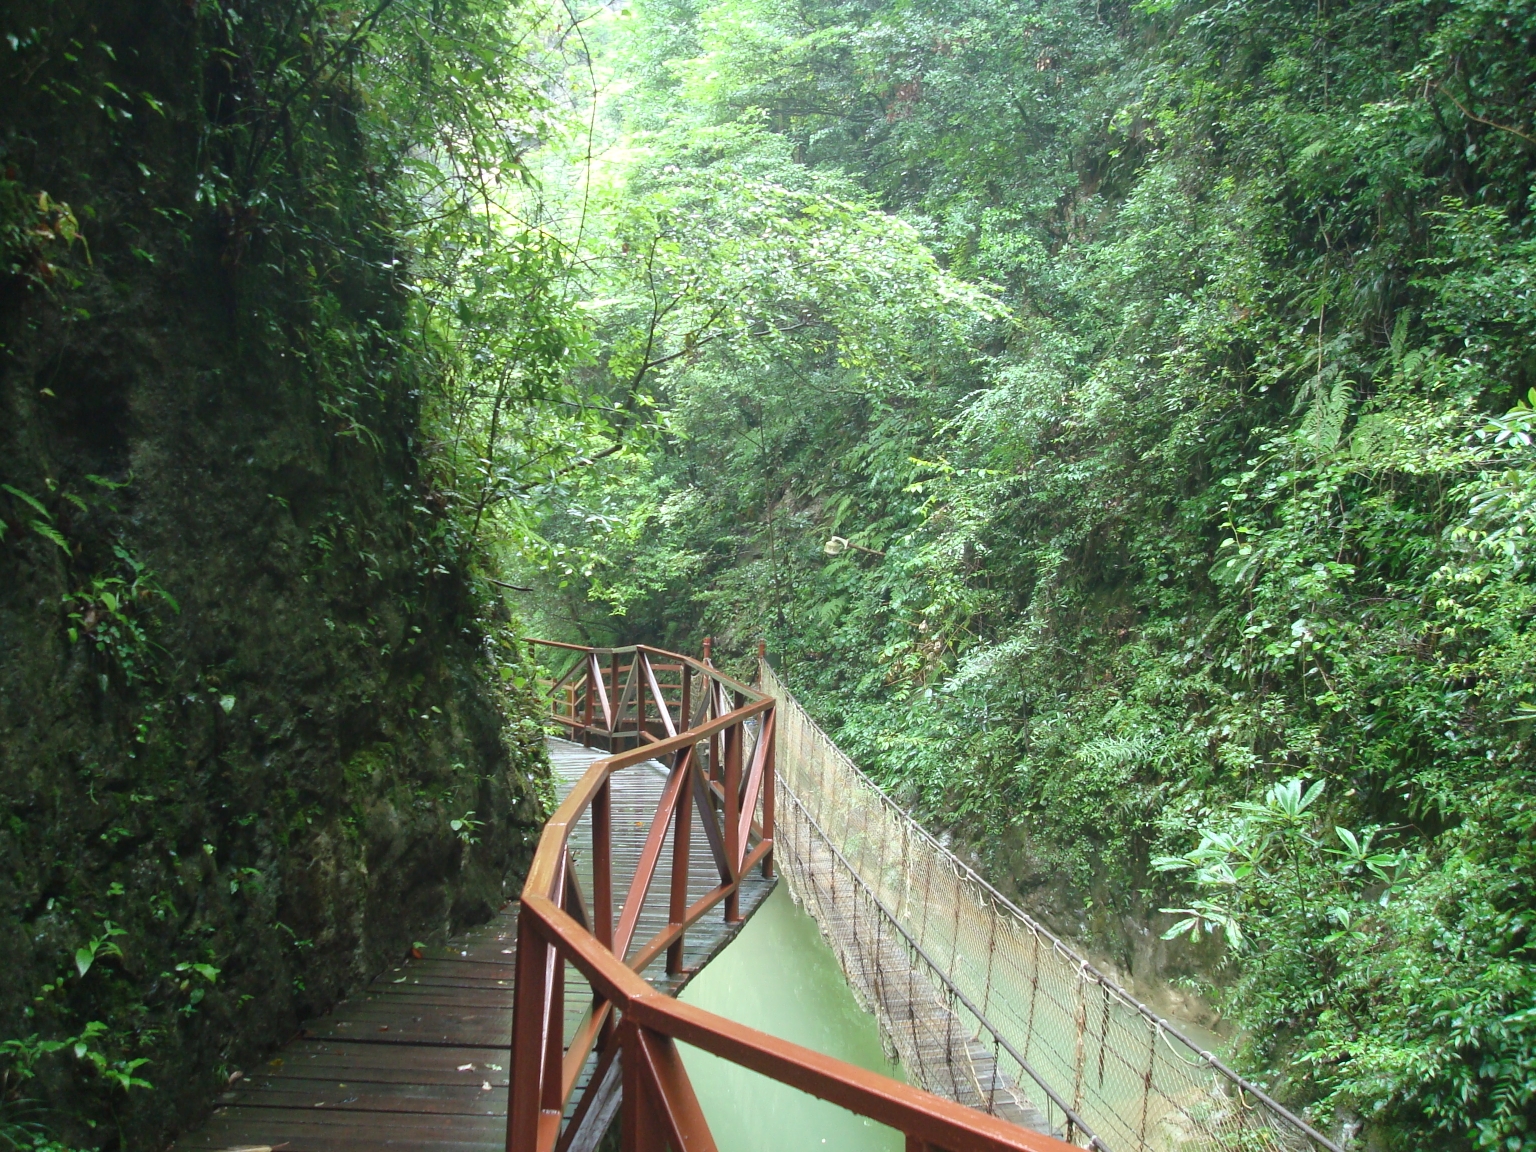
(1190, 924)
(32, 500)
(207, 971)
(48, 532)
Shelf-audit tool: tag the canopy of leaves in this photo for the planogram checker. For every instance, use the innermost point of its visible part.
(1167, 367)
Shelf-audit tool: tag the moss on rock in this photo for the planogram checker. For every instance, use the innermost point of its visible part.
(245, 688)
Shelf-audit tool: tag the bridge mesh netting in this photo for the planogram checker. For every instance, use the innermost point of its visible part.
(983, 1004)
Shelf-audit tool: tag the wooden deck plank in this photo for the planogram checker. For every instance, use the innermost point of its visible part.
(384, 1064)
(403, 1064)
(458, 972)
(354, 1096)
(269, 1121)
(465, 973)
(303, 1128)
(434, 995)
(454, 1029)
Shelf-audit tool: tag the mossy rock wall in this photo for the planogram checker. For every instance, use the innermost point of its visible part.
(245, 689)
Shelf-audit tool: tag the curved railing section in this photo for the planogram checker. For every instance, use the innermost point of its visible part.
(716, 737)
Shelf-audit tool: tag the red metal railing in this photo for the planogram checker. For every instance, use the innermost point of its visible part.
(628, 1021)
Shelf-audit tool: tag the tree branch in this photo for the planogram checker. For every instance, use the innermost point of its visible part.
(1480, 120)
(504, 584)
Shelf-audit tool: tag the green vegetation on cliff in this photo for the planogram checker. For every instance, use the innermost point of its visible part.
(262, 724)
(1116, 420)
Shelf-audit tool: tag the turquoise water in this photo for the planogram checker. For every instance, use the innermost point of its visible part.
(780, 976)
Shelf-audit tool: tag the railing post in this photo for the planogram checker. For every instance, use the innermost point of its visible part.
(711, 712)
(602, 879)
(768, 784)
(685, 718)
(602, 865)
(733, 845)
(529, 1012)
(591, 701)
(613, 697)
(640, 1126)
(639, 674)
(681, 828)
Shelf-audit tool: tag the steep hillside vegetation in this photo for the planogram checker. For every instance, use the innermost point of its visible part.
(1117, 420)
(261, 727)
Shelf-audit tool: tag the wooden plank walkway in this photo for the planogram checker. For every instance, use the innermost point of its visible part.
(418, 1060)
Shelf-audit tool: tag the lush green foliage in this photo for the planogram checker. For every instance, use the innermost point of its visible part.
(1222, 480)
(259, 276)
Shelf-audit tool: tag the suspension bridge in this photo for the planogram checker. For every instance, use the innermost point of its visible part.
(685, 795)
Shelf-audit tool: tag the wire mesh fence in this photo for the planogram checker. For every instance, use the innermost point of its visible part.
(983, 1004)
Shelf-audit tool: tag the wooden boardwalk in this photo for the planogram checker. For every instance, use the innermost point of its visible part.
(636, 794)
(418, 1060)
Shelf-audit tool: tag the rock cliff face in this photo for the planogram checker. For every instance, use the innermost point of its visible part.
(253, 743)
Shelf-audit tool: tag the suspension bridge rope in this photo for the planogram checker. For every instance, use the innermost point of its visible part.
(985, 1005)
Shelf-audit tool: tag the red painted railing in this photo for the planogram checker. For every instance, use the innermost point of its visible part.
(705, 741)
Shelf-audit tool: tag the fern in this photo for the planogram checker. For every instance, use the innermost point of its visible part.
(1323, 425)
(49, 532)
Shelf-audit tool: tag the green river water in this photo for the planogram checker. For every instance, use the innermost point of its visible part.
(780, 976)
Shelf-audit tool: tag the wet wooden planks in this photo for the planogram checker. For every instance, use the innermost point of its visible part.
(418, 1060)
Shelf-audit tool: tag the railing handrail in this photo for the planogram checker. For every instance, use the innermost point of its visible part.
(659, 1105)
(709, 670)
(939, 1123)
(580, 798)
